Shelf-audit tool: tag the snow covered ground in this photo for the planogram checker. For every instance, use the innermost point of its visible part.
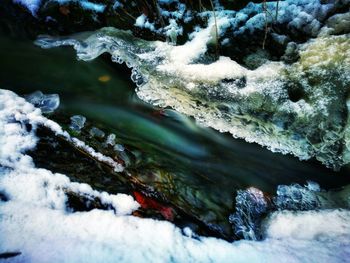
(35, 221)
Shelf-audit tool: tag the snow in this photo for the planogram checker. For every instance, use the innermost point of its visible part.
(99, 8)
(312, 225)
(31, 5)
(196, 47)
(36, 222)
(222, 68)
(297, 15)
(142, 21)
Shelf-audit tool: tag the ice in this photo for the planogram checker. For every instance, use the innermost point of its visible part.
(277, 105)
(99, 8)
(77, 122)
(140, 21)
(96, 132)
(110, 140)
(86, 5)
(99, 156)
(119, 148)
(137, 77)
(47, 103)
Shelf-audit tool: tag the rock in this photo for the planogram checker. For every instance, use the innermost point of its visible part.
(7, 255)
(296, 197)
(251, 207)
(338, 24)
(175, 20)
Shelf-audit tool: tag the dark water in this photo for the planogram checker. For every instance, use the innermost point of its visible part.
(205, 167)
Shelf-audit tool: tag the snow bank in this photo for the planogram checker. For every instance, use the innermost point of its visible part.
(19, 120)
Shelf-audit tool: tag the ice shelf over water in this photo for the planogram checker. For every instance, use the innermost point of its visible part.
(299, 108)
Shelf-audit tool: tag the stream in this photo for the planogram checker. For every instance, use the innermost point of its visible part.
(201, 169)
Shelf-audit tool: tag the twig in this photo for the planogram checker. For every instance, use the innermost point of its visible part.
(158, 13)
(277, 4)
(216, 29)
(266, 24)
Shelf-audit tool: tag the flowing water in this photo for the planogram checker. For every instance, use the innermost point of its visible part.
(203, 167)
